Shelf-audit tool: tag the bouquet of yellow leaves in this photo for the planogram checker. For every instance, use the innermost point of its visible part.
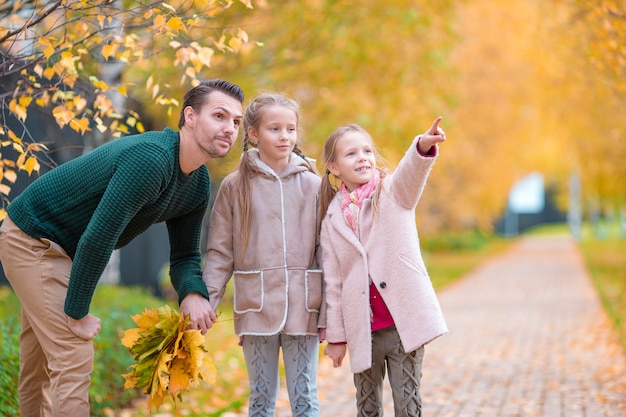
(169, 357)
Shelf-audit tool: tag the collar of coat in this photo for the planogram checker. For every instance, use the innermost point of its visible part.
(296, 165)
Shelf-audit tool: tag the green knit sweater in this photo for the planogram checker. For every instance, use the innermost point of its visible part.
(105, 198)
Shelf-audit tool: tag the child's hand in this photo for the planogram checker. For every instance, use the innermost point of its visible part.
(322, 334)
(431, 137)
(336, 351)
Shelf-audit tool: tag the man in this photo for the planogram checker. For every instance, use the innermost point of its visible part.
(60, 232)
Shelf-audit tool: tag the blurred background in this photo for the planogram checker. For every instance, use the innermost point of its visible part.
(531, 92)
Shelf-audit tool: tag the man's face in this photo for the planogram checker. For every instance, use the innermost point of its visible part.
(216, 126)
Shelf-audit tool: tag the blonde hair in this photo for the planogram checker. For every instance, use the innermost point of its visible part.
(329, 155)
(247, 166)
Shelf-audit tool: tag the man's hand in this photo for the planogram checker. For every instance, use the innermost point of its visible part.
(199, 311)
(431, 137)
(86, 328)
(336, 352)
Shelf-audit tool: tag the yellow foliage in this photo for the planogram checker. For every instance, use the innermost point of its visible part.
(80, 125)
(9, 175)
(169, 358)
(17, 109)
(31, 164)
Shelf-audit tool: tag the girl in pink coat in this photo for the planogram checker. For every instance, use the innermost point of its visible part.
(380, 303)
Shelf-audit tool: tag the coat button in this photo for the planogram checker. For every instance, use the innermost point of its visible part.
(383, 284)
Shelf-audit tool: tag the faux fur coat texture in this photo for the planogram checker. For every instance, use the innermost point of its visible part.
(277, 279)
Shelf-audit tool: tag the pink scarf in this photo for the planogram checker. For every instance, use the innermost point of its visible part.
(352, 201)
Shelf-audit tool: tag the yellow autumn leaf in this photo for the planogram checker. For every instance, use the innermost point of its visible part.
(179, 378)
(70, 80)
(80, 125)
(109, 50)
(176, 24)
(17, 109)
(131, 336)
(30, 165)
(204, 56)
(220, 44)
(159, 21)
(3, 212)
(209, 370)
(62, 115)
(146, 320)
(10, 175)
(48, 73)
(14, 137)
(235, 43)
(162, 371)
(48, 48)
(36, 147)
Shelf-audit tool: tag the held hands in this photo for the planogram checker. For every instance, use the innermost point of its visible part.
(431, 137)
(199, 311)
(336, 352)
(86, 328)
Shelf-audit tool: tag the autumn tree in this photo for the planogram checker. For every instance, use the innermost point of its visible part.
(69, 58)
(380, 64)
(598, 55)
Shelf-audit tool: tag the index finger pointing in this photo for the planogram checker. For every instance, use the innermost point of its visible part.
(434, 128)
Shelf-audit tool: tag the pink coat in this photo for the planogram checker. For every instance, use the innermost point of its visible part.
(389, 253)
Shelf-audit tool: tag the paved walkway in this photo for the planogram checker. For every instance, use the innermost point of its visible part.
(528, 337)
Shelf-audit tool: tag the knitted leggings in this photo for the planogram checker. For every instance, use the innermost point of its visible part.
(405, 373)
(300, 356)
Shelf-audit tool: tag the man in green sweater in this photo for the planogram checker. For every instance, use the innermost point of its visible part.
(60, 232)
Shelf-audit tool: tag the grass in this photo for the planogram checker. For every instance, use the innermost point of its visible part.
(449, 257)
(605, 257)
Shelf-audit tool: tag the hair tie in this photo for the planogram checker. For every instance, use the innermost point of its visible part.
(303, 157)
(245, 149)
(327, 172)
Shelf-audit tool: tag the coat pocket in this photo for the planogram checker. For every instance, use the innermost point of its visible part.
(248, 293)
(314, 290)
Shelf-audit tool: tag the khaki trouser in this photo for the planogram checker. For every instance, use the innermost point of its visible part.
(55, 365)
(405, 374)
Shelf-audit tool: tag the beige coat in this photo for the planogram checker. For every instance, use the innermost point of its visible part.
(388, 251)
(277, 281)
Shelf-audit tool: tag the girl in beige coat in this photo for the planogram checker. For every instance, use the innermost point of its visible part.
(379, 298)
(263, 234)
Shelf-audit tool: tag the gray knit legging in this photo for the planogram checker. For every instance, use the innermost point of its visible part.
(405, 373)
(300, 356)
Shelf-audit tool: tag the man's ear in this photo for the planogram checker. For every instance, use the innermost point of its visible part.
(189, 114)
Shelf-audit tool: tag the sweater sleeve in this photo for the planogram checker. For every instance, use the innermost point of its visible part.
(185, 256)
(130, 188)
